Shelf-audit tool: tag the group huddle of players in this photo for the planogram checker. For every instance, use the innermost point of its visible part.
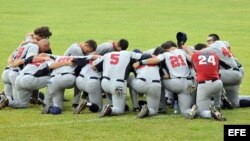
(202, 78)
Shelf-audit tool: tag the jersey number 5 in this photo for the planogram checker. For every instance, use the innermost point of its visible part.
(114, 59)
(203, 60)
(177, 61)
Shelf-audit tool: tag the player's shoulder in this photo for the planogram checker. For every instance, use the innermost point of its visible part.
(74, 45)
(31, 45)
(105, 44)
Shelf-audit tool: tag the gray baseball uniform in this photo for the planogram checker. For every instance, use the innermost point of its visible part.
(60, 79)
(229, 71)
(149, 84)
(179, 72)
(105, 48)
(207, 68)
(6, 80)
(89, 81)
(116, 67)
(23, 52)
(33, 77)
(75, 50)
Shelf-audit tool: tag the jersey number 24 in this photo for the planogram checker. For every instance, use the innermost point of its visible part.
(203, 60)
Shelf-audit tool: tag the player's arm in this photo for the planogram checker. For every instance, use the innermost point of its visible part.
(98, 64)
(151, 61)
(187, 49)
(60, 64)
(16, 63)
(10, 59)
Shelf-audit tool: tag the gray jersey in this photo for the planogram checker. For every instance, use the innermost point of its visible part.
(88, 70)
(146, 71)
(105, 48)
(26, 51)
(39, 67)
(116, 65)
(223, 52)
(176, 62)
(74, 50)
(63, 69)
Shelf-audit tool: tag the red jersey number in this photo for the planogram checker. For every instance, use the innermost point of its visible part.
(114, 59)
(177, 61)
(64, 59)
(19, 53)
(204, 60)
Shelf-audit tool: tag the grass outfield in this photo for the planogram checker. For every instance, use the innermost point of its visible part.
(146, 24)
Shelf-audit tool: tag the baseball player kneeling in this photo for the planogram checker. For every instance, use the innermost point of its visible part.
(149, 84)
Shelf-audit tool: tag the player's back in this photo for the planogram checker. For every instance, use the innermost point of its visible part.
(27, 50)
(74, 50)
(105, 48)
(206, 65)
(63, 69)
(148, 72)
(176, 62)
(117, 65)
(32, 68)
(88, 70)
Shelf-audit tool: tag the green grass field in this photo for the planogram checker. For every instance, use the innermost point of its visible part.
(146, 24)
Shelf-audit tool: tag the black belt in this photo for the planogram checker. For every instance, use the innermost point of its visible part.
(155, 81)
(188, 78)
(16, 70)
(6, 68)
(61, 74)
(201, 82)
(28, 74)
(119, 80)
(236, 69)
(92, 77)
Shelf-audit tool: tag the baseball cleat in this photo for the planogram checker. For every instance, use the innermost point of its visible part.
(226, 102)
(192, 113)
(144, 112)
(80, 107)
(105, 111)
(216, 114)
(4, 102)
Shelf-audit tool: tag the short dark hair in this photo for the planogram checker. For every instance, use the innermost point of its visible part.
(214, 36)
(168, 44)
(43, 32)
(92, 44)
(158, 50)
(200, 46)
(123, 43)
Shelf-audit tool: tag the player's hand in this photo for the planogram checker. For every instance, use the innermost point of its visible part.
(191, 88)
(43, 55)
(136, 65)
